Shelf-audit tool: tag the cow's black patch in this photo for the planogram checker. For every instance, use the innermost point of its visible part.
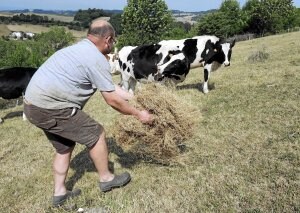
(190, 49)
(170, 54)
(177, 69)
(205, 75)
(209, 51)
(120, 62)
(219, 56)
(145, 60)
(13, 81)
(124, 66)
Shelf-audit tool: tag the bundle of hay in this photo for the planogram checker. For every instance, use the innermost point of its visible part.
(161, 141)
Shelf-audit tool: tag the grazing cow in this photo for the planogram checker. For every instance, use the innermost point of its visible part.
(171, 60)
(28, 35)
(141, 63)
(16, 35)
(209, 52)
(13, 81)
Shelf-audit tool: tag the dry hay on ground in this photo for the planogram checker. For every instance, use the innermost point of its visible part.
(164, 139)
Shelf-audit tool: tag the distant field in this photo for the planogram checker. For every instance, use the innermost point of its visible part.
(50, 16)
(5, 30)
(36, 29)
(187, 18)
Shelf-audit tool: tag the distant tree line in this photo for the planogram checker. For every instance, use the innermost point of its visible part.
(260, 17)
(81, 21)
(144, 21)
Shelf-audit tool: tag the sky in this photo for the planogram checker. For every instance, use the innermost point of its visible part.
(183, 5)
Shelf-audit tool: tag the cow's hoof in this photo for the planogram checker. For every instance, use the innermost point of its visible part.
(205, 91)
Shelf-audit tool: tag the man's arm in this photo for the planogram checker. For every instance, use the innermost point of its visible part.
(120, 104)
(122, 93)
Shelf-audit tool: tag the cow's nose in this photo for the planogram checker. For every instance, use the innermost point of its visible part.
(227, 64)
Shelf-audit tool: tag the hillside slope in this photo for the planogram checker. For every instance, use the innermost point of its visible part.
(244, 158)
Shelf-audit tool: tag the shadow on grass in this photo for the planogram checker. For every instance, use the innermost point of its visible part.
(197, 86)
(11, 115)
(82, 163)
(126, 159)
(129, 159)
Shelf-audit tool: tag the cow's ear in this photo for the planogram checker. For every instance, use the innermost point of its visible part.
(232, 43)
(218, 45)
(222, 41)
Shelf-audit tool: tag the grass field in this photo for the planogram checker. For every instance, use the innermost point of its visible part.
(245, 156)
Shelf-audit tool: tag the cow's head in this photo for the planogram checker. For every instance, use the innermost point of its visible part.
(224, 51)
(209, 51)
(113, 62)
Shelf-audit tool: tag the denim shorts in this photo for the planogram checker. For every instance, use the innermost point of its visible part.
(64, 127)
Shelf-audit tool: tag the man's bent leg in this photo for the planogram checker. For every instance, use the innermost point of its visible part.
(60, 170)
(99, 155)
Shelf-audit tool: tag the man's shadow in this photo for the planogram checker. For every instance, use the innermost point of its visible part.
(82, 162)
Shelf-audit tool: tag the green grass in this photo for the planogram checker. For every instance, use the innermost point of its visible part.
(244, 157)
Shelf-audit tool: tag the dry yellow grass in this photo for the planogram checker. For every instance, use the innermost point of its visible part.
(166, 137)
(4, 30)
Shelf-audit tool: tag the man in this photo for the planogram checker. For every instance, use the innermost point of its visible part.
(56, 95)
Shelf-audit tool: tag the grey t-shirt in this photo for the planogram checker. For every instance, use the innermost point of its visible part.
(69, 77)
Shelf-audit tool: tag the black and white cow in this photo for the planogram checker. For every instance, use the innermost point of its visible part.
(209, 52)
(28, 35)
(171, 60)
(140, 63)
(13, 81)
(16, 35)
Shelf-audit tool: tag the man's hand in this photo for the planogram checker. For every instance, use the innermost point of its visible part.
(145, 117)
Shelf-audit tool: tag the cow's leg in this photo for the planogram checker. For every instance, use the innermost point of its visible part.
(24, 117)
(207, 70)
(132, 85)
(125, 82)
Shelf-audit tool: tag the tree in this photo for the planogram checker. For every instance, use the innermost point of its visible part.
(227, 21)
(179, 30)
(144, 21)
(295, 19)
(55, 39)
(268, 16)
(115, 21)
(33, 53)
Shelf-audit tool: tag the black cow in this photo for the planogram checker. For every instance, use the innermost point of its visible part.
(13, 81)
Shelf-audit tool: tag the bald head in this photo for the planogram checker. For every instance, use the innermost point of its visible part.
(101, 28)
